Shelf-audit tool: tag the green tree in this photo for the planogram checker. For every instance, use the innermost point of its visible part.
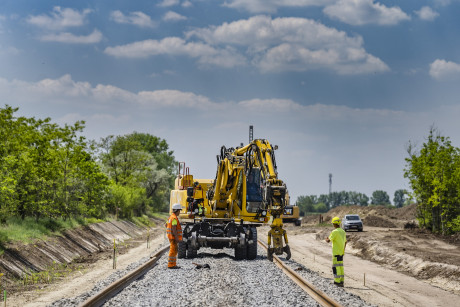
(158, 148)
(306, 204)
(320, 208)
(46, 170)
(380, 197)
(360, 199)
(399, 198)
(324, 198)
(434, 176)
(134, 161)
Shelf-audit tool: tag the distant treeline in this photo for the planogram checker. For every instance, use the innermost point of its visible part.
(325, 202)
(434, 176)
(47, 170)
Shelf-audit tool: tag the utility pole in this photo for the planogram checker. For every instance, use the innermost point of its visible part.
(251, 133)
(330, 183)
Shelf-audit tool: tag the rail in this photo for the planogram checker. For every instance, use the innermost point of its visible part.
(115, 287)
(322, 298)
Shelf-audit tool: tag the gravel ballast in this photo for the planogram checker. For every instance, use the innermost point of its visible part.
(227, 282)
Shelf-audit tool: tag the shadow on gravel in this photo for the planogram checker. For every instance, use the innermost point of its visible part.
(218, 255)
(225, 255)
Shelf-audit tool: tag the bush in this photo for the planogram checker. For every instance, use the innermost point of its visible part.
(454, 225)
(320, 208)
(52, 225)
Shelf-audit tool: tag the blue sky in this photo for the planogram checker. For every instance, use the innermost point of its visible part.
(340, 85)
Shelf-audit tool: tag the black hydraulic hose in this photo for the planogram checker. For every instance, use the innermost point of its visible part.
(248, 161)
(274, 160)
(262, 166)
(223, 150)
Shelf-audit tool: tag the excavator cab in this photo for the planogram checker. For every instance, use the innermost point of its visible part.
(254, 198)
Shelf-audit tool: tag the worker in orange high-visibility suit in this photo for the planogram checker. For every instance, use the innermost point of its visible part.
(174, 232)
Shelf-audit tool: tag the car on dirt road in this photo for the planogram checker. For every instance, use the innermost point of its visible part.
(352, 221)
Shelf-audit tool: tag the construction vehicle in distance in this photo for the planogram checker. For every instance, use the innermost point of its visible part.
(225, 212)
(291, 214)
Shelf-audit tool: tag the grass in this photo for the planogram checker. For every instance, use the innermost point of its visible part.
(55, 272)
(161, 215)
(27, 230)
(144, 220)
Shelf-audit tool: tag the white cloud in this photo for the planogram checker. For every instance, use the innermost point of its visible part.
(362, 12)
(443, 2)
(94, 37)
(293, 44)
(65, 90)
(441, 69)
(205, 54)
(271, 6)
(166, 3)
(271, 45)
(110, 93)
(176, 99)
(261, 31)
(270, 105)
(134, 18)
(187, 4)
(60, 18)
(173, 16)
(52, 89)
(427, 13)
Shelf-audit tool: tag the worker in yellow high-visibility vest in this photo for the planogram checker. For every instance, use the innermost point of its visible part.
(339, 242)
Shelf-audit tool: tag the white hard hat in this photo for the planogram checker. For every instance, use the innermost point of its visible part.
(177, 206)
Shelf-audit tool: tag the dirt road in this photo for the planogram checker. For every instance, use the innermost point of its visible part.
(384, 286)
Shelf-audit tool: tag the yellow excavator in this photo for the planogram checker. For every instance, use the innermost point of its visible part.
(225, 212)
(291, 213)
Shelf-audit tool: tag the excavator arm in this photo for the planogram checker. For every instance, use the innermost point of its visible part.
(259, 154)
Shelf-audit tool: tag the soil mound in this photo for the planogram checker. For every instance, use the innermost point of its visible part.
(311, 219)
(377, 221)
(425, 264)
(377, 216)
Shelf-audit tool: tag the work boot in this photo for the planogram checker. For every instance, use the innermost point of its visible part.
(270, 254)
(338, 284)
(174, 267)
(287, 250)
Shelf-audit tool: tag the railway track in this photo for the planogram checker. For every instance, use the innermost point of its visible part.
(110, 291)
(116, 287)
(318, 295)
